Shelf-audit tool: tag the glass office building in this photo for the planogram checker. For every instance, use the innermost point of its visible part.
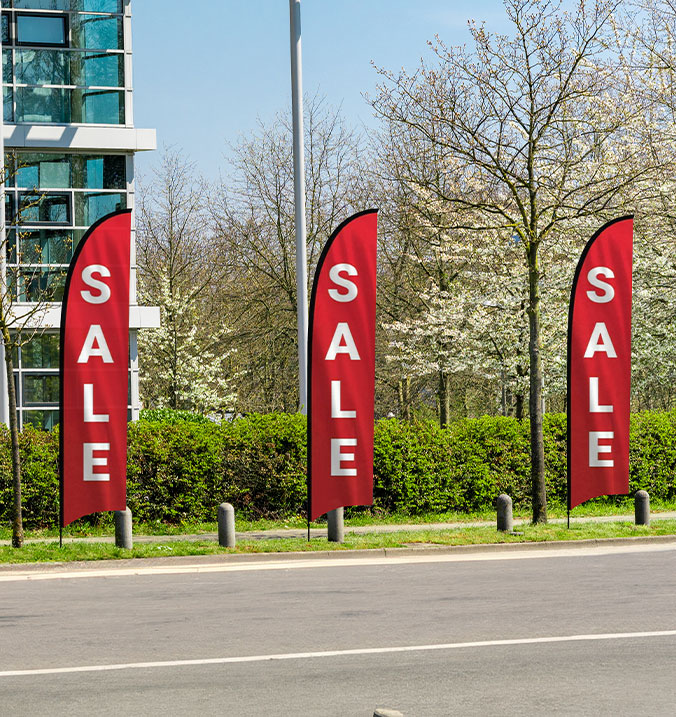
(69, 143)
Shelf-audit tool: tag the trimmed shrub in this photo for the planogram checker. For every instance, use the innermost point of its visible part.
(171, 469)
(652, 454)
(39, 455)
(412, 467)
(181, 469)
(265, 465)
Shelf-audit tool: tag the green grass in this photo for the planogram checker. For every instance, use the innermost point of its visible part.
(50, 551)
(84, 530)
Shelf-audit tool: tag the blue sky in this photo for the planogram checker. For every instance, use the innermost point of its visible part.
(205, 70)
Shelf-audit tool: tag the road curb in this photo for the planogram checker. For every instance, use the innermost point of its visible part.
(339, 554)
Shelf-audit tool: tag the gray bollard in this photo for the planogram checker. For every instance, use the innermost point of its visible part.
(226, 526)
(505, 521)
(381, 712)
(123, 532)
(336, 526)
(642, 508)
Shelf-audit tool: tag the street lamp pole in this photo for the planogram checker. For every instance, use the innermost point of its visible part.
(299, 200)
(335, 517)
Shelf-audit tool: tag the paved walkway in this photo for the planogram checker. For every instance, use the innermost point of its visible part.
(320, 532)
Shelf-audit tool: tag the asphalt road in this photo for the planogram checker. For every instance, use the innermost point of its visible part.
(580, 632)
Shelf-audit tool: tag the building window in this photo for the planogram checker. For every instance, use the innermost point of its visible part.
(42, 246)
(41, 352)
(7, 66)
(89, 207)
(7, 103)
(42, 30)
(104, 172)
(98, 107)
(43, 171)
(36, 379)
(45, 420)
(42, 104)
(97, 70)
(97, 32)
(114, 6)
(40, 390)
(64, 68)
(41, 67)
(44, 209)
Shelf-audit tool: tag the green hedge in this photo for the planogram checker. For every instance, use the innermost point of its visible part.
(181, 469)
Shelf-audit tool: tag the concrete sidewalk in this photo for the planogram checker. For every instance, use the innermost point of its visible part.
(358, 530)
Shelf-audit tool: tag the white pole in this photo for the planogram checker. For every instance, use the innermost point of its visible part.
(4, 397)
(335, 517)
(299, 197)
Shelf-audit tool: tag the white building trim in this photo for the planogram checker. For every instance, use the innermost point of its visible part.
(79, 137)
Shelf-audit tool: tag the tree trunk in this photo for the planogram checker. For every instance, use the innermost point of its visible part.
(17, 520)
(537, 450)
(404, 395)
(444, 399)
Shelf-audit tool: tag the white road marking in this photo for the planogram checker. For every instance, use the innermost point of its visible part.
(337, 653)
(337, 562)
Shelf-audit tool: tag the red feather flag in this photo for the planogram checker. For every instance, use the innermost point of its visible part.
(341, 362)
(599, 365)
(94, 371)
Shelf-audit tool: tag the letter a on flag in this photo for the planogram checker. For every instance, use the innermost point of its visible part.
(599, 365)
(94, 361)
(341, 349)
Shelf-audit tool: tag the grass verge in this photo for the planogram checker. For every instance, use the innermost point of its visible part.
(50, 551)
(105, 528)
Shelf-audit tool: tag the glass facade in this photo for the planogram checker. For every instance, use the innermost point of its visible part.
(36, 380)
(50, 200)
(63, 61)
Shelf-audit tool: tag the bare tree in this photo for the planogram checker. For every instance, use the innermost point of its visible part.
(254, 213)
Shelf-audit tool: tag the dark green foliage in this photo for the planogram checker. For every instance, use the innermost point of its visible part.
(171, 469)
(265, 465)
(39, 451)
(652, 454)
(421, 467)
(412, 467)
(181, 469)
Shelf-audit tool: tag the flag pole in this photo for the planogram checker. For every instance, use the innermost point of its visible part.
(299, 206)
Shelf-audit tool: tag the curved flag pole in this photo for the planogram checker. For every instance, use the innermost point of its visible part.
(93, 375)
(599, 366)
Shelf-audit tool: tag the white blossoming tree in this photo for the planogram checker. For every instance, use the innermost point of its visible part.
(536, 127)
(185, 366)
